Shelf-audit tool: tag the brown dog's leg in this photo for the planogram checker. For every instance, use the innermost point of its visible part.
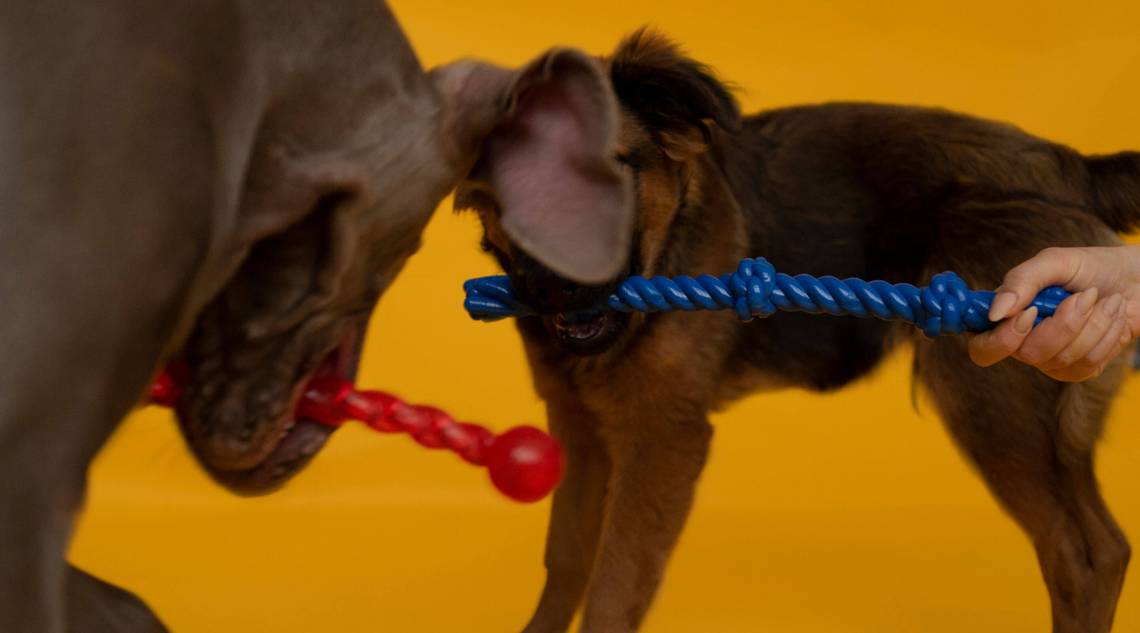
(575, 517)
(1032, 439)
(656, 463)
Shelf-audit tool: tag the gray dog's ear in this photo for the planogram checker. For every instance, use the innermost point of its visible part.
(545, 137)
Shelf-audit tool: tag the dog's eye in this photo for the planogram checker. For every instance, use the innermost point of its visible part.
(628, 161)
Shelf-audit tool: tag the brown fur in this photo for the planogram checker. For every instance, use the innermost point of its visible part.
(881, 192)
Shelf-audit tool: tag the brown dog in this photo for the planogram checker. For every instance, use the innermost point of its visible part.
(235, 184)
(879, 192)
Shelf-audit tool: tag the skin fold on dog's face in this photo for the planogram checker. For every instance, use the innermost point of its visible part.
(297, 306)
(302, 295)
(670, 105)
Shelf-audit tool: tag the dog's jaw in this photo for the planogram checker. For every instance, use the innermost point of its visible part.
(268, 444)
(586, 333)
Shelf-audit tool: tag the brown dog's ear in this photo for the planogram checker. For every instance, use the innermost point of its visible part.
(545, 137)
(676, 97)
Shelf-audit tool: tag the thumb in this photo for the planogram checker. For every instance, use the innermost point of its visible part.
(1001, 342)
(1052, 266)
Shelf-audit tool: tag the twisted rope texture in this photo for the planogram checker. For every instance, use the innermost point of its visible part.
(331, 400)
(946, 306)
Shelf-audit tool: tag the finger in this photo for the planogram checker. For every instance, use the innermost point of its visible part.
(1093, 364)
(1132, 313)
(1105, 315)
(1023, 282)
(999, 343)
(1058, 331)
(1113, 342)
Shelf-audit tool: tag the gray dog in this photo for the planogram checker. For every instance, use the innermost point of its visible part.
(234, 184)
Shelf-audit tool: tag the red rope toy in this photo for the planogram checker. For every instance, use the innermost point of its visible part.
(524, 463)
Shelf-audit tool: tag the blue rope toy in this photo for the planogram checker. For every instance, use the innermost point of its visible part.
(946, 306)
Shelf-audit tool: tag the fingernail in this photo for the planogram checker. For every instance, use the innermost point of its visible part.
(1086, 300)
(1024, 321)
(1003, 303)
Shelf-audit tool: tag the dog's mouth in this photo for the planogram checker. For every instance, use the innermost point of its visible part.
(586, 332)
(250, 439)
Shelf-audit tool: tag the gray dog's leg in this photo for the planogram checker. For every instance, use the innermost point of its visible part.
(95, 259)
(94, 606)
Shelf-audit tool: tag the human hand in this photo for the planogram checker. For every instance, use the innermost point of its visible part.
(1089, 328)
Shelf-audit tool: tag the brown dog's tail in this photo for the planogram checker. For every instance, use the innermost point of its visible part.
(1115, 181)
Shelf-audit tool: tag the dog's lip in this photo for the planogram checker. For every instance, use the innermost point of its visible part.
(297, 440)
(580, 326)
(294, 449)
(586, 333)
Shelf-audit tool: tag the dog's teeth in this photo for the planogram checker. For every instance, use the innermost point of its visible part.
(584, 331)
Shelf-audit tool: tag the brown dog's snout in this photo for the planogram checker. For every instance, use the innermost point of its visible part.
(548, 291)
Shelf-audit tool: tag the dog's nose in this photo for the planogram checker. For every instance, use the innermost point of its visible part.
(550, 292)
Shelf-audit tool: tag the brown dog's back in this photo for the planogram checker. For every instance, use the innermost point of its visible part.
(900, 193)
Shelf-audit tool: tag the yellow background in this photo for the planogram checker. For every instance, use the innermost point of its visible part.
(844, 513)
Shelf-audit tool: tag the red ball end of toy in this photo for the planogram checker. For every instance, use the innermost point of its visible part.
(167, 390)
(525, 464)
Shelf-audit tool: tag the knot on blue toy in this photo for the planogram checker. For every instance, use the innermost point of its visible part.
(748, 291)
(946, 306)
